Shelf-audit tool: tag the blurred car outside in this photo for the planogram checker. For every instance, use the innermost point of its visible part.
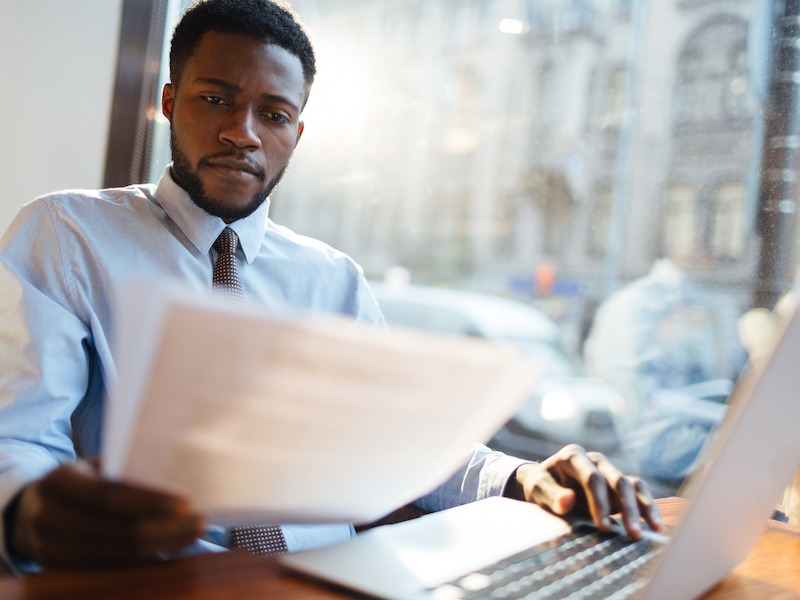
(565, 406)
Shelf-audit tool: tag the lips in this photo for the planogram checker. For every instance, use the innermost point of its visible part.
(235, 166)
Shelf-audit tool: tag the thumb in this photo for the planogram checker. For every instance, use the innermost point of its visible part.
(540, 487)
(90, 466)
(562, 500)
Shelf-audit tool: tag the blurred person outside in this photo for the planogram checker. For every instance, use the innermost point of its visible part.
(658, 331)
(758, 329)
(241, 72)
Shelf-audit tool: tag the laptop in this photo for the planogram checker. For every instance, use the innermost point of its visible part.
(463, 552)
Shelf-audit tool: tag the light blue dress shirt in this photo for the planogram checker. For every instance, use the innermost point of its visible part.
(65, 261)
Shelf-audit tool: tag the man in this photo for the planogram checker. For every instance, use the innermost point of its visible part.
(241, 72)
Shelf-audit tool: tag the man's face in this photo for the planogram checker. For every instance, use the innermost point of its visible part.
(235, 121)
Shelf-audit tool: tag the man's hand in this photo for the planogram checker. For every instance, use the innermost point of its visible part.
(573, 480)
(73, 518)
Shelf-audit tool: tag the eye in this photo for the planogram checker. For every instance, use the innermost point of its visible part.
(215, 100)
(276, 117)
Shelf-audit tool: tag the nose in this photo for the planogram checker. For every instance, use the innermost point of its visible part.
(240, 130)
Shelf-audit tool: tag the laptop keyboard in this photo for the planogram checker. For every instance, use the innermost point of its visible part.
(583, 564)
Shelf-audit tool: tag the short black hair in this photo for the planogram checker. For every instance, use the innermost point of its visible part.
(266, 20)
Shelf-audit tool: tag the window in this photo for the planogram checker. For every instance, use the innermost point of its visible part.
(680, 223)
(712, 74)
(727, 220)
(594, 161)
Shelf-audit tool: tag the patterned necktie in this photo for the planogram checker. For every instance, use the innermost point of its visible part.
(258, 539)
(226, 279)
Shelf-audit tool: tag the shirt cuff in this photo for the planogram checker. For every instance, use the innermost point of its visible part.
(496, 473)
(16, 480)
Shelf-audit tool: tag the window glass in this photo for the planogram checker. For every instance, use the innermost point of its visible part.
(597, 162)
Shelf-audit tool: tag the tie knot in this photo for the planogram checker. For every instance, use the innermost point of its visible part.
(227, 241)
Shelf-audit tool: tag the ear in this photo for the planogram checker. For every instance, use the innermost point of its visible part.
(300, 127)
(167, 100)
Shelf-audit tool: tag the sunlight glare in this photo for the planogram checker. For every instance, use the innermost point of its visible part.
(513, 26)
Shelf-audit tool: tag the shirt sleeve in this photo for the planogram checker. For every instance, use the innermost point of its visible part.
(485, 473)
(367, 308)
(45, 355)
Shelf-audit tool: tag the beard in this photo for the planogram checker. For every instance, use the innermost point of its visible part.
(187, 177)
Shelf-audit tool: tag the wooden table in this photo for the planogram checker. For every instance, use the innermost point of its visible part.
(771, 571)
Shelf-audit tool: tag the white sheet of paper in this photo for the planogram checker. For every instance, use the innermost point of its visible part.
(266, 419)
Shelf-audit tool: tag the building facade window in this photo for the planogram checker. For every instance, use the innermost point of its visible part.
(727, 220)
(680, 222)
(712, 75)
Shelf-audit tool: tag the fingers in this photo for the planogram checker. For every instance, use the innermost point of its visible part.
(544, 484)
(583, 469)
(66, 544)
(622, 497)
(76, 486)
(647, 506)
(73, 518)
(563, 481)
(538, 486)
(146, 533)
(631, 497)
(573, 479)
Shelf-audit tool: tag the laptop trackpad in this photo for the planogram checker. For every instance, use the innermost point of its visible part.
(404, 560)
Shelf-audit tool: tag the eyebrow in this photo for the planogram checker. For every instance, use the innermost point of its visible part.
(232, 87)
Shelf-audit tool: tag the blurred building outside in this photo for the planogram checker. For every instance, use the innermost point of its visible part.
(548, 151)
(559, 152)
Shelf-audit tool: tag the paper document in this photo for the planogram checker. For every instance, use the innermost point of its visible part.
(262, 418)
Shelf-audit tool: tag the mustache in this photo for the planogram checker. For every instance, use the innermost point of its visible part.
(257, 169)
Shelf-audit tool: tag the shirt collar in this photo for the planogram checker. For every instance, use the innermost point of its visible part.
(201, 228)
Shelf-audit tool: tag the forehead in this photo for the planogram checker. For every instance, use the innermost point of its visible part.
(248, 63)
